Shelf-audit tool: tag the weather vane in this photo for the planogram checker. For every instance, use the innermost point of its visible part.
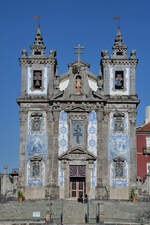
(118, 20)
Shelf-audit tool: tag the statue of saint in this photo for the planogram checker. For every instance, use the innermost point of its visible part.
(78, 84)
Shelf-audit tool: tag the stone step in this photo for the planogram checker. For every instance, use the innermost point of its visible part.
(74, 213)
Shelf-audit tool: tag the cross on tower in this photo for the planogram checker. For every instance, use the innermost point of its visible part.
(78, 51)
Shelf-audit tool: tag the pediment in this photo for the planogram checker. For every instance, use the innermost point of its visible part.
(76, 63)
(78, 109)
(58, 95)
(75, 108)
(36, 158)
(98, 95)
(77, 153)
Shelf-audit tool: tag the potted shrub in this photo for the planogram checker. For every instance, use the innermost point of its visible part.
(20, 195)
(133, 197)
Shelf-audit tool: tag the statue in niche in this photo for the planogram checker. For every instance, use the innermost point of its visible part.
(78, 84)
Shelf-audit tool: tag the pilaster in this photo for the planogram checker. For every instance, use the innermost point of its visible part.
(132, 120)
(22, 162)
(23, 80)
(53, 127)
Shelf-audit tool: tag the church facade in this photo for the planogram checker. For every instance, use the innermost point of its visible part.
(78, 129)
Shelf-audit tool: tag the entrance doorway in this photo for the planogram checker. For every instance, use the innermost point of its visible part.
(77, 181)
(77, 187)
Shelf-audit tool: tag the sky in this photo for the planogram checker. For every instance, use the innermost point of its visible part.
(64, 25)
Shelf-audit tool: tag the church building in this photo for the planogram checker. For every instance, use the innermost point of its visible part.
(77, 129)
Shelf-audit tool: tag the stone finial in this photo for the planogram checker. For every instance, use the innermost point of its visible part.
(119, 49)
(5, 169)
(118, 38)
(38, 37)
(38, 47)
(24, 53)
(133, 54)
(52, 53)
(104, 54)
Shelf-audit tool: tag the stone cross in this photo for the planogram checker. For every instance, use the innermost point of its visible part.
(78, 51)
(77, 133)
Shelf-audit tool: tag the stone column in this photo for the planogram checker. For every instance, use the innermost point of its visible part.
(104, 157)
(132, 80)
(23, 80)
(52, 72)
(50, 150)
(132, 172)
(4, 184)
(106, 78)
(101, 155)
(53, 154)
(148, 183)
(22, 161)
(89, 190)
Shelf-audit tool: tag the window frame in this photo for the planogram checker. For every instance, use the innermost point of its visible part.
(36, 160)
(36, 117)
(118, 117)
(124, 70)
(147, 145)
(32, 81)
(119, 161)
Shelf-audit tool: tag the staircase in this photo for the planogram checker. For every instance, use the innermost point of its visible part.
(74, 212)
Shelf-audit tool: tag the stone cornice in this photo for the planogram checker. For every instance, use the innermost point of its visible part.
(123, 101)
(41, 60)
(119, 61)
(32, 99)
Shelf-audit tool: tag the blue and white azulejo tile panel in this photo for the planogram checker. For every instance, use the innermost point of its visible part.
(60, 175)
(125, 124)
(120, 181)
(92, 133)
(36, 145)
(93, 175)
(35, 181)
(119, 146)
(63, 133)
(43, 123)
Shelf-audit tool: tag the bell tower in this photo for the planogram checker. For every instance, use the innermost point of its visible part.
(37, 71)
(118, 71)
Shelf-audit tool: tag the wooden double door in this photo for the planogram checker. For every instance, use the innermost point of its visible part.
(77, 187)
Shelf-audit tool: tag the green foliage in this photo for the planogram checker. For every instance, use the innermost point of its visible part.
(132, 192)
(20, 193)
